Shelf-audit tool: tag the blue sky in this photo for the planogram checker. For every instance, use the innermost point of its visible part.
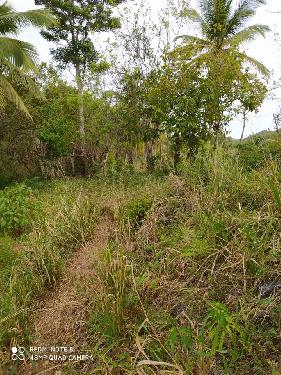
(266, 50)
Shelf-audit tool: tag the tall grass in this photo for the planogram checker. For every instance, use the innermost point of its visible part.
(34, 261)
(190, 282)
(201, 252)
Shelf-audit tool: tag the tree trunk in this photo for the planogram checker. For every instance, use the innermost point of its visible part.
(244, 125)
(216, 127)
(177, 152)
(81, 157)
(80, 88)
(149, 156)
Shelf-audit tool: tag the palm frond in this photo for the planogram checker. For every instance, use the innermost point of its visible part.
(245, 10)
(262, 69)
(247, 35)
(215, 14)
(12, 21)
(18, 52)
(193, 15)
(221, 27)
(18, 76)
(18, 57)
(10, 94)
(192, 39)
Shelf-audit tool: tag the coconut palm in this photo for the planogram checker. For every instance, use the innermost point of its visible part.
(222, 27)
(17, 58)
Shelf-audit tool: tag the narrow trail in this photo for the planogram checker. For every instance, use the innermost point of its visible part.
(60, 317)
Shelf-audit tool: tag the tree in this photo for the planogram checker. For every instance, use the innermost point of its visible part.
(222, 35)
(77, 21)
(176, 99)
(277, 120)
(17, 57)
(221, 27)
(141, 44)
(182, 96)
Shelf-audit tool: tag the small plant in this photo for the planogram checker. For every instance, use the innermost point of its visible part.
(108, 317)
(7, 260)
(179, 336)
(222, 328)
(275, 189)
(116, 280)
(135, 212)
(16, 209)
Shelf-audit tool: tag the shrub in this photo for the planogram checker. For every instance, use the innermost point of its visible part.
(135, 212)
(16, 209)
(256, 151)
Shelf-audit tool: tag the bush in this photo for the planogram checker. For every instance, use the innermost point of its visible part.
(255, 151)
(135, 212)
(16, 209)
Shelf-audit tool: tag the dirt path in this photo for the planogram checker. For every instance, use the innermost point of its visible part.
(60, 319)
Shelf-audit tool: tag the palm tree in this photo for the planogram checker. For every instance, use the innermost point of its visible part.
(222, 28)
(17, 58)
(223, 33)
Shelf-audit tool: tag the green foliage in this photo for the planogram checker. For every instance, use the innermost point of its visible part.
(220, 326)
(57, 120)
(18, 57)
(196, 247)
(194, 100)
(18, 155)
(7, 260)
(256, 150)
(181, 336)
(17, 209)
(135, 212)
(221, 63)
(175, 98)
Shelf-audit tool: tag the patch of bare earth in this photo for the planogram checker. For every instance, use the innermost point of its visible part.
(60, 318)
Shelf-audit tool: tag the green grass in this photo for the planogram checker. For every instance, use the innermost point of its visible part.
(32, 261)
(195, 263)
(179, 283)
(55, 219)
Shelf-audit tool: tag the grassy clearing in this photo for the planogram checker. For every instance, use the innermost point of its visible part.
(192, 282)
(41, 227)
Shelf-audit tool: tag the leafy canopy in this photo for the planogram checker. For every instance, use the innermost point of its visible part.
(224, 26)
(77, 20)
(18, 57)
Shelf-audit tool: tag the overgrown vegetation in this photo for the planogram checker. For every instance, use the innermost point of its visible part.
(189, 287)
(188, 281)
(61, 220)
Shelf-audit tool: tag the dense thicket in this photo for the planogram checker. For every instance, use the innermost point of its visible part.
(152, 112)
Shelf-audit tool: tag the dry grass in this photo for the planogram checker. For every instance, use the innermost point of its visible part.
(61, 315)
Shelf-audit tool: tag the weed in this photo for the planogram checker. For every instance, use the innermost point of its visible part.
(135, 212)
(16, 209)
